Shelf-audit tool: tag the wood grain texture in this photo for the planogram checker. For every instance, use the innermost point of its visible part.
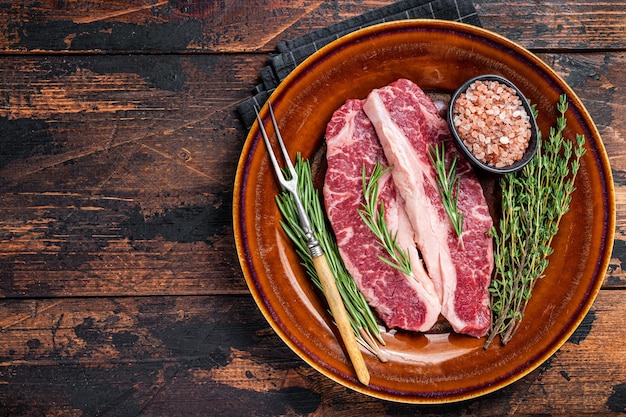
(120, 288)
(550, 24)
(107, 167)
(236, 26)
(164, 26)
(217, 355)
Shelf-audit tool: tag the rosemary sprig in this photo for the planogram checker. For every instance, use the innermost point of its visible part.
(448, 185)
(373, 215)
(533, 203)
(359, 312)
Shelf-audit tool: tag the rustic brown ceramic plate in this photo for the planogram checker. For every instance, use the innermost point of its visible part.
(422, 368)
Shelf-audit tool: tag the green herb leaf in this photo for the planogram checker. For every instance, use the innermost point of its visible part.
(373, 215)
(360, 314)
(533, 203)
(448, 185)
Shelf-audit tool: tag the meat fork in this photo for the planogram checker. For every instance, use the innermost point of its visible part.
(320, 263)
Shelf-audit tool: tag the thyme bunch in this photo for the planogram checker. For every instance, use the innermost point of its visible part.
(373, 215)
(359, 312)
(533, 203)
(448, 185)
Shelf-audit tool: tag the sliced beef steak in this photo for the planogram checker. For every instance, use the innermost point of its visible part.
(407, 123)
(401, 301)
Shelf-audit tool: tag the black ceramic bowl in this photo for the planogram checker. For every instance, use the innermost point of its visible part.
(532, 145)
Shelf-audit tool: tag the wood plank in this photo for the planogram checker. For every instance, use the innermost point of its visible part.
(110, 178)
(217, 356)
(120, 285)
(557, 24)
(161, 26)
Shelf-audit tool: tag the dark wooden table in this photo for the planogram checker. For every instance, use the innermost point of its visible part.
(121, 292)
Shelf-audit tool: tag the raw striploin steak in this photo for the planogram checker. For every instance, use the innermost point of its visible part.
(406, 302)
(408, 123)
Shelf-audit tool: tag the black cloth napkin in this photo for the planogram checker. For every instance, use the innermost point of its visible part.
(291, 53)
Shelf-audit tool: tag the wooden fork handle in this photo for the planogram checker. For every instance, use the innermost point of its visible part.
(341, 317)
